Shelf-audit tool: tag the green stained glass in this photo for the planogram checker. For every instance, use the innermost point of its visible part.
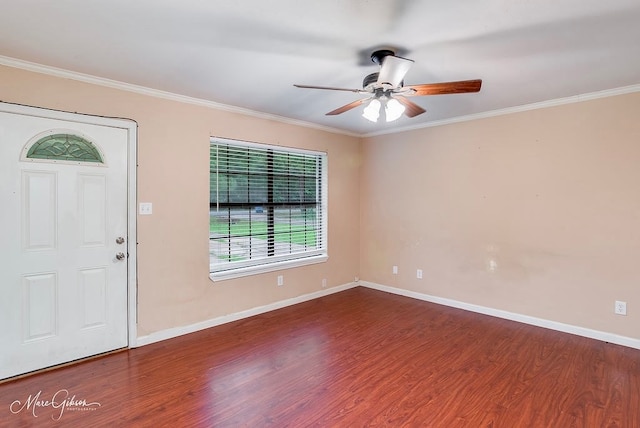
(66, 147)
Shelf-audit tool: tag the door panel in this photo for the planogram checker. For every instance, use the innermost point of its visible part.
(64, 291)
(40, 303)
(39, 218)
(93, 287)
(92, 210)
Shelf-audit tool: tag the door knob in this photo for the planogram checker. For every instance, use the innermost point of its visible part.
(119, 240)
(120, 256)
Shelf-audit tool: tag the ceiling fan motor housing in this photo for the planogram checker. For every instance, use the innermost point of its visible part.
(370, 80)
(370, 83)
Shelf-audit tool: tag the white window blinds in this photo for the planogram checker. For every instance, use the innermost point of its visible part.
(266, 204)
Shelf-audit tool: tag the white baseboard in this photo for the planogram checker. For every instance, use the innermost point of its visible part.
(539, 322)
(179, 331)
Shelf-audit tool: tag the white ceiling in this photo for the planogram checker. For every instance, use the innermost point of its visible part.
(249, 53)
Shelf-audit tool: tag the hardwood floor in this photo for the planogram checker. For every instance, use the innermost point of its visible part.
(356, 358)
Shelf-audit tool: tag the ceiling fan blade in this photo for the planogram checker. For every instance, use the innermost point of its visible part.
(347, 107)
(357, 91)
(411, 109)
(393, 70)
(460, 87)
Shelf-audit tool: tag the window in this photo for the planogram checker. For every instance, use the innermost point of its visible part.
(63, 147)
(267, 208)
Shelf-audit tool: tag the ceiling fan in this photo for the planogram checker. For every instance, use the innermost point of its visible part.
(386, 87)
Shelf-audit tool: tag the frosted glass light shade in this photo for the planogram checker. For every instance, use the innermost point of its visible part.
(393, 110)
(372, 111)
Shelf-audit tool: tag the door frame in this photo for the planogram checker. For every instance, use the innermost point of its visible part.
(132, 151)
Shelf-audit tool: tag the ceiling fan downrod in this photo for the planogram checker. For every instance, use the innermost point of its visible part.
(379, 55)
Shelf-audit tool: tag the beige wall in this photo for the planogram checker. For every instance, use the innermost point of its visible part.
(536, 213)
(174, 288)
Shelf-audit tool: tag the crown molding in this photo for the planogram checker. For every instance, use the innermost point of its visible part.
(87, 78)
(510, 110)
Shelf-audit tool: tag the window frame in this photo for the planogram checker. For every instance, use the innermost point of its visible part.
(288, 260)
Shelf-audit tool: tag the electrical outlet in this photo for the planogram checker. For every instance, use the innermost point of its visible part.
(146, 208)
(620, 308)
(419, 274)
(395, 270)
(280, 280)
(324, 282)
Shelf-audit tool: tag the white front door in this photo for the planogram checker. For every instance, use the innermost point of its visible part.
(64, 243)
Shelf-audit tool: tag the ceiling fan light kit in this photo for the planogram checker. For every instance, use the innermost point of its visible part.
(386, 87)
(392, 109)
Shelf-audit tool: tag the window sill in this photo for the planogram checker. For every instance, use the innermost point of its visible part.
(271, 267)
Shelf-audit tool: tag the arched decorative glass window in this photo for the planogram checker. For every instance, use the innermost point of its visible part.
(64, 147)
